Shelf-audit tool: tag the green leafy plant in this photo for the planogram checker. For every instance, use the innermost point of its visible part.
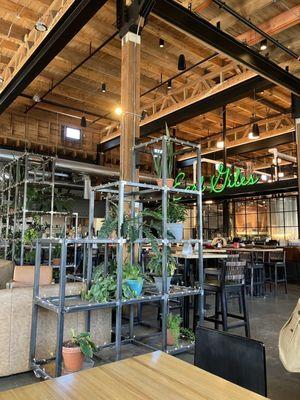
(155, 264)
(157, 156)
(29, 257)
(133, 272)
(56, 251)
(84, 341)
(173, 323)
(188, 334)
(176, 211)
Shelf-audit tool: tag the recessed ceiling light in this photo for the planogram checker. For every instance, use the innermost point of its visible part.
(40, 26)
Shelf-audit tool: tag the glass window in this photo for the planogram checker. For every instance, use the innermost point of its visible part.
(72, 133)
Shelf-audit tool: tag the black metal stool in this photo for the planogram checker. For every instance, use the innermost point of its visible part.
(276, 271)
(232, 282)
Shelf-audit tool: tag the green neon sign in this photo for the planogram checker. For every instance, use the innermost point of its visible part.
(222, 180)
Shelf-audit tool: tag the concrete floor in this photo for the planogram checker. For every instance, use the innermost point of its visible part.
(267, 316)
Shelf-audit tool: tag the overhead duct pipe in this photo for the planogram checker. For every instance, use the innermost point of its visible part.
(76, 166)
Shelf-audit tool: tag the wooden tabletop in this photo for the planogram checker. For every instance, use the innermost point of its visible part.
(258, 249)
(205, 255)
(153, 376)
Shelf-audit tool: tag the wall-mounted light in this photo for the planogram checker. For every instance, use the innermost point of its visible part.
(40, 26)
(263, 45)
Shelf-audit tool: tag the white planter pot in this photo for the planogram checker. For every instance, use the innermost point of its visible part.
(158, 283)
(176, 229)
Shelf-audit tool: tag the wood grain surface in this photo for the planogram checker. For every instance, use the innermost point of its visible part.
(151, 376)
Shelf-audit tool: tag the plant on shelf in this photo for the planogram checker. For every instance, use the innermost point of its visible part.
(133, 277)
(74, 350)
(155, 267)
(173, 329)
(157, 156)
(187, 334)
(56, 251)
(29, 257)
(176, 215)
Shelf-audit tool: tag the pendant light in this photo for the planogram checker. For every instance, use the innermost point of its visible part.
(103, 87)
(40, 26)
(170, 84)
(83, 123)
(181, 63)
(254, 131)
(263, 45)
(161, 43)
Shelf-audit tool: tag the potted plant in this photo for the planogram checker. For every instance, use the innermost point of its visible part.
(157, 155)
(132, 276)
(155, 268)
(176, 215)
(56, 255)
(75, 349)
(29, 257)
(173, 329)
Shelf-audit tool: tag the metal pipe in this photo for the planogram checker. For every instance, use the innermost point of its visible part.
(247, 22)
(76, 166)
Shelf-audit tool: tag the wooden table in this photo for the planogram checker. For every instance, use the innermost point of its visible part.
(154, 376)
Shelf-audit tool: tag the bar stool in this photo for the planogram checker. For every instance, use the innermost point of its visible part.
(232, 282)
(276, 270)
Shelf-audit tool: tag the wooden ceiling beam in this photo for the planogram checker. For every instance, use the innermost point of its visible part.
(272, 27)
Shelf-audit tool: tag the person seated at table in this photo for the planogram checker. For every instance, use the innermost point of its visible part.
(219, 241)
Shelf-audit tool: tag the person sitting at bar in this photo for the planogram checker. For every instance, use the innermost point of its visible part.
(219, 241)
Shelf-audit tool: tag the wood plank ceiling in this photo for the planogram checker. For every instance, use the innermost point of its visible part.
(81, 91)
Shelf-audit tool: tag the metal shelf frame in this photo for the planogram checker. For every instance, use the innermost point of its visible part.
(28, 170)
(127, 197)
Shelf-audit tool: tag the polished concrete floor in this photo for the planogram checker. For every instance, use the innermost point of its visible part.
(267, 316)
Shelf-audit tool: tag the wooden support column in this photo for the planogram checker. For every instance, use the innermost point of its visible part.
(296, 115)
(130, 103)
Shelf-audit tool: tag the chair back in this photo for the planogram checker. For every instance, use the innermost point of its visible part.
(234, 272)
(277, 256)
(235, 358)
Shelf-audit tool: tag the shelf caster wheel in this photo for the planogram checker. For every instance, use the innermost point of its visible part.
(37, 374)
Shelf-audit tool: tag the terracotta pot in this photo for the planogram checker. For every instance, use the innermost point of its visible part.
(73, 358)
(170, 182)
(170, 339)
(56, 261)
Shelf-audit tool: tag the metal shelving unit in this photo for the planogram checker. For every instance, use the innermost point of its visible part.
(16, 177)
(126, 196)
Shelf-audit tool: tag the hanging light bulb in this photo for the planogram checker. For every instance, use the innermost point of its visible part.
(118, 110)
(169, 84)
(220, 144)
(263, 45)
(40, 26)
(254, 132)
(36, 98)
(83, 122)
(181, 63)
(161, 43)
